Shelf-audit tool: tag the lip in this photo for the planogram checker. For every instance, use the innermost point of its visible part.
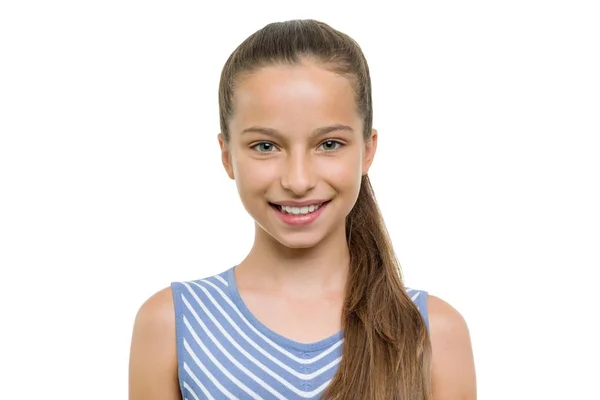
(300, 219)
(299, 203)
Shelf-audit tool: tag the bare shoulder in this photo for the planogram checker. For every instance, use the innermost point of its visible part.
(153, 353)
(453, 366)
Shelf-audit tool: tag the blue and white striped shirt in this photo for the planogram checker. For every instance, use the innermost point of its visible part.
(225, 352)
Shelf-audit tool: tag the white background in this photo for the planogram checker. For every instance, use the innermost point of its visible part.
(111, 184)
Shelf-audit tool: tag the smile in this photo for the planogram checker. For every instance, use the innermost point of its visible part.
(299, 210)
(299, 215)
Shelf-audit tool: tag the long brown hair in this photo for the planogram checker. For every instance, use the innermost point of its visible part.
(386, 353)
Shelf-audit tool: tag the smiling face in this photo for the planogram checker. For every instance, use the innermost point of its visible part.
(297, 152)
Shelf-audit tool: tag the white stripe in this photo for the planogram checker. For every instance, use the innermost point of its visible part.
(262, 336)
(223, 281)
(189, 371)
(250, 357)
(217, 363)
(206, 372)
(322, 387)
(187, 387)
(415, 296)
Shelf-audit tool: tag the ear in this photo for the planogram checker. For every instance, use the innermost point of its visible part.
(226, 156)
(370, 150)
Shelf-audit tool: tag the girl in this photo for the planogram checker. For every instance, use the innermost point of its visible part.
(317, 309)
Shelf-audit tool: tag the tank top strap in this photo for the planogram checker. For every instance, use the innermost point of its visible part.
(419, 297)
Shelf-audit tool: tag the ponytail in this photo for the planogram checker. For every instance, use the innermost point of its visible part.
(386, 351)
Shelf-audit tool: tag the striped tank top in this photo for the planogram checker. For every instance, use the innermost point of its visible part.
(225, 352)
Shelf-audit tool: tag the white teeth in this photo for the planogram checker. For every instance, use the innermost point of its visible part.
(299, 210)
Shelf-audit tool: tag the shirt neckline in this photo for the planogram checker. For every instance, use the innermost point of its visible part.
(271, 334)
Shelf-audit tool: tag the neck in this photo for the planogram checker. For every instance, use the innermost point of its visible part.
(307, 271)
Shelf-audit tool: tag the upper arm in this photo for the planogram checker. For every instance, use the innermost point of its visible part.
(153, 354)
(453, 366)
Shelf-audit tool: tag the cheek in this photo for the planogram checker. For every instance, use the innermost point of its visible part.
(252, 177)
(344, 174)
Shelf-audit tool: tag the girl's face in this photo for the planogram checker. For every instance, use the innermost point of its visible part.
(297, 151)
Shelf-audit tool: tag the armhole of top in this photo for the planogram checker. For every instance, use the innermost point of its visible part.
(422, 303)
(176, 291)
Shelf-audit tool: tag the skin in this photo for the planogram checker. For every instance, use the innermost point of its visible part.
(296, 135)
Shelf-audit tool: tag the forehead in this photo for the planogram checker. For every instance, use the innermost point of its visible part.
(294, 98)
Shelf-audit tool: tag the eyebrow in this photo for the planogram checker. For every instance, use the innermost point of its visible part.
(316, 133)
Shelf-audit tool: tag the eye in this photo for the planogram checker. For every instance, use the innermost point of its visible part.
(264, 147)
(330, 145)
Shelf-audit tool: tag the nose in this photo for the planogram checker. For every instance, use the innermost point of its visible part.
(298, 176)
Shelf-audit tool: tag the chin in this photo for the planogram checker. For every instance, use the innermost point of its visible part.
(298, 241)
(298, 245)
